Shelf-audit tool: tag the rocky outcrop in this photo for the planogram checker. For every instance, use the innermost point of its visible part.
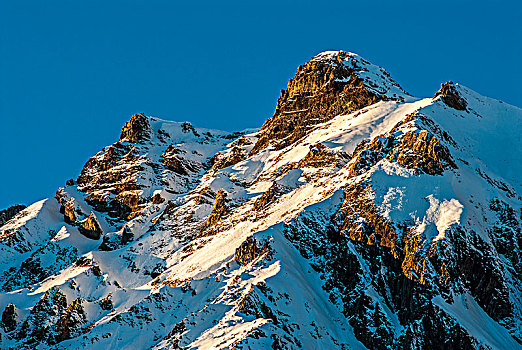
(137, 129)
(418, 150)
(111, 187)
(219, 210)
(157, 199)
(234, 156)
(70, 321)
(9, 318)
(172, 162)
(320, 90)
(106, 303)
(9, 213)
(268, 197)
(41, 264)
(450, 96)
(71, 211)
(38, 327)
(187, 127)
(422, 152)
(51, 320)
(90, 227)
(250, 250)
(321, 156)
(118, 240)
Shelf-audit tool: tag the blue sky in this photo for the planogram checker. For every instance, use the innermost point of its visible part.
(72, 72)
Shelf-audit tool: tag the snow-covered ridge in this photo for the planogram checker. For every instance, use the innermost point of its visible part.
(376, 78)
(394, 225)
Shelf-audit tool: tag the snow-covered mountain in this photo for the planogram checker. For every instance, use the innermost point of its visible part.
(358, 216)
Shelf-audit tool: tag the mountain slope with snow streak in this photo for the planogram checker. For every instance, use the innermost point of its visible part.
(357, 217)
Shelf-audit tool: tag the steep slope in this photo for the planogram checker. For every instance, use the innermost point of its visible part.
(358, 216)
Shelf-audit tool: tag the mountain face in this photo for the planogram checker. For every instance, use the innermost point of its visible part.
(358, 216)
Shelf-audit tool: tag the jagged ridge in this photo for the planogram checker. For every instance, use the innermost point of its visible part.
(357, 217)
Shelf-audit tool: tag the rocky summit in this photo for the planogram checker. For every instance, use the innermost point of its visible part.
(357, 217)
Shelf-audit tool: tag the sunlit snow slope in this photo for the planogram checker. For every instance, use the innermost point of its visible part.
(357, 217)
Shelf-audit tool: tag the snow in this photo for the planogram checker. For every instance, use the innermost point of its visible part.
(443, 214)
(489, 135)
(200, 282)
(471, 316)
(376, 79)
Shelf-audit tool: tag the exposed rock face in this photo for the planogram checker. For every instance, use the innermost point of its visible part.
(9, 318)
(118, 240)
(118, 180)
(250, 250)
(220, 161)
(137, 129)
(219, 210)
(449, 94)
(188, 127)
(9, 213)
(422, 152)
(90, 227)
(106, 303)
(327, 86)
(419, 150)
(321, 156)
(268, 197)
(69, 214)
(70, 321)
(102, 183)
(157, 199)
(51, 320)
(172, 162)
(71, 211)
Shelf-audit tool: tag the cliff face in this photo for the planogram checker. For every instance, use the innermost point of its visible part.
(331, 84)
(357, 217)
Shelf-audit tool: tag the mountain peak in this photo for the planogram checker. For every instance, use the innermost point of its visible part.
(450, 95)
(137, 129)
(357, 217)
(330, 84)
(376, 78)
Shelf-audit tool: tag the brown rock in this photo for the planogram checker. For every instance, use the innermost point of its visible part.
(9, 316)
(422, 152)
(172, 162)
(250, 250)
(90, 227)
(451, 96)
(418, 150)
(157, 199)
(69, 212)
(130, 199)
(268, 197)
(70, 321)
(137, 129)
(220, 161)
(321, 156)
(319, 91)
(219, 210)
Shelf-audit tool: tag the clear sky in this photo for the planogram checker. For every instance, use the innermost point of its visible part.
(72, 72)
